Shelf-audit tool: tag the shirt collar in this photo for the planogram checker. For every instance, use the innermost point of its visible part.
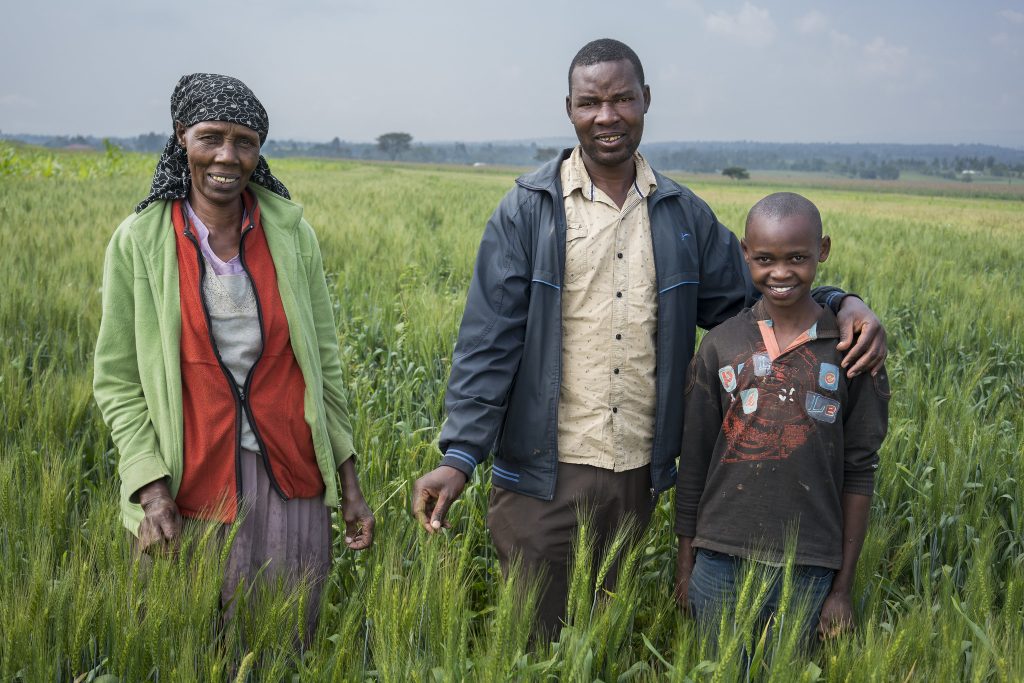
(826, 327)
(577, 178)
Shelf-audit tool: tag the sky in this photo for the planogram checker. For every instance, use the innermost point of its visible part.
(913, 71)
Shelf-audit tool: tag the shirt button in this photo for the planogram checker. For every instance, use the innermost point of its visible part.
(616, 371)
(618, 294)
(615, 410)
(618, 336)
(619, 254)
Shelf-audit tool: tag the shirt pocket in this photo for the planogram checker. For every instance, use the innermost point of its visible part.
(577, 260)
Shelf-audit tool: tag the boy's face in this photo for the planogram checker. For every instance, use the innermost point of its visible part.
(783, 257)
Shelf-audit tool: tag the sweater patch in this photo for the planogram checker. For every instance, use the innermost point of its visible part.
(821, 408)
(828, 377)
(762, 364)
(728, 377)
(749, 398)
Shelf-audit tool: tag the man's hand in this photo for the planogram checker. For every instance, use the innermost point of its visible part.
(162, 523)
(359, 519)
(684, 568)
(836, 615)
(433, 494)
(856, 320)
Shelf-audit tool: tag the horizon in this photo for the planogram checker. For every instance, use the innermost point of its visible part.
(555, 140)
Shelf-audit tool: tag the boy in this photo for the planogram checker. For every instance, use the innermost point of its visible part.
(776, 438)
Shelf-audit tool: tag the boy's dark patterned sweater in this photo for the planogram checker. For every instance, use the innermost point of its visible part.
(773, 439)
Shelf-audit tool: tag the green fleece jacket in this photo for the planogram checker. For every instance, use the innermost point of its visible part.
(137, 379)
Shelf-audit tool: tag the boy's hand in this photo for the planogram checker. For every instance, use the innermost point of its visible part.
(433, 494)
(857, 320)
(836, 615)
(684, 568)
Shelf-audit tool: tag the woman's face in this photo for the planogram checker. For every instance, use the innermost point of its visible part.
(221, 158)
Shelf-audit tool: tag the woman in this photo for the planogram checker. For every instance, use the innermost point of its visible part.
(217, 365)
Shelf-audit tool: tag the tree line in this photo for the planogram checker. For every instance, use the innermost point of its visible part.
(863, 160)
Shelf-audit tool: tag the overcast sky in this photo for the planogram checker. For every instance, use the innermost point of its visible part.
(869, 71)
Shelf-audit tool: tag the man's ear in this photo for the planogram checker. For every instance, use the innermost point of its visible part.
(826, 247)
(568, 106)
(647, 98)
(743, 246)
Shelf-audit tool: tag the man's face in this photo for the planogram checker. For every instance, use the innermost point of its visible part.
(606, 105)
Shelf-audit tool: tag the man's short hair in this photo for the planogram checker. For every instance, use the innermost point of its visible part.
(783, 205)
(605, 50)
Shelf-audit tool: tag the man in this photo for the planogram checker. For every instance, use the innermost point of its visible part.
(591, 278)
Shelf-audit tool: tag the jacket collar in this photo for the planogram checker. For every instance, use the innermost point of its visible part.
(150, 225)
(548, 179)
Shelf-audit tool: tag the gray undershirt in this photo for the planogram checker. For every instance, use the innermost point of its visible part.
(236, 329)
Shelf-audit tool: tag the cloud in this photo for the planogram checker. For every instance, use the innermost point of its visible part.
(812, 22)
(1012, 16)
(1003, 42)
(840, 39)
(881, 57)
(751, 26)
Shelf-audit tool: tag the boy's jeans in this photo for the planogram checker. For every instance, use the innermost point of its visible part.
(713, 586)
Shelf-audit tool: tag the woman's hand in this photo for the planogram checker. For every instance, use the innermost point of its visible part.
(358, 516)
(162, 523)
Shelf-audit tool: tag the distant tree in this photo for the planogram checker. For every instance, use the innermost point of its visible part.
(736, 173)
(889, 172)
(546, 153)
(150, 142)
(394, 144)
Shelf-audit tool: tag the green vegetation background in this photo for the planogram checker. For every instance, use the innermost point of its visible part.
(940, 586)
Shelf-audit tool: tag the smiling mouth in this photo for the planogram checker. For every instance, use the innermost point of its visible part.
(610, 137)
(222, 179)
(775, 289)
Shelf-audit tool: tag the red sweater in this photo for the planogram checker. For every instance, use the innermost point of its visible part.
(213, 403)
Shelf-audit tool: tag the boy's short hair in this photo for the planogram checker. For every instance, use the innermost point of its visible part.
(783, 205)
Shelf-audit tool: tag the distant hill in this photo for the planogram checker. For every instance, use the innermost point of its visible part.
(863, 160)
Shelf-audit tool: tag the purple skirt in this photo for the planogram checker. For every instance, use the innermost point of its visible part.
(287, 539)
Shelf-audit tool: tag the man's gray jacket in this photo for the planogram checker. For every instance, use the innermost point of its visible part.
(506, 371)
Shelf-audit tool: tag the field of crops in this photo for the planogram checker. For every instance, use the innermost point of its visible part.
(940, 586)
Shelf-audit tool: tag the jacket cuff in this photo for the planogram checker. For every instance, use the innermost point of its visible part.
(342, 448)
(686, 527)
(139, 471)
(861, 482)
(835, 299)
(462, 458)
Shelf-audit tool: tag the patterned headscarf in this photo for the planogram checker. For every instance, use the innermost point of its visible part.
(208, 97)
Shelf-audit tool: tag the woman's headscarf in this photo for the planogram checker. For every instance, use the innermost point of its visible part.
(208, 97)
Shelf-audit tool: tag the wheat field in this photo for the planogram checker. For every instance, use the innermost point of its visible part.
(939, 594)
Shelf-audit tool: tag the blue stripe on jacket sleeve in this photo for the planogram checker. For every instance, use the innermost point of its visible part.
(465, 457)
(679, 284)
(505, 474)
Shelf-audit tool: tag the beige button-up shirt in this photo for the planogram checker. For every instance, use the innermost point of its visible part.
(609, 322)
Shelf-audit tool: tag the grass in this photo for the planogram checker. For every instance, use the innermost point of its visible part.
(939, 593)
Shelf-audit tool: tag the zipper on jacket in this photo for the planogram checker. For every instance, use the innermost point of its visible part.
(243, 392)
(239, 394)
